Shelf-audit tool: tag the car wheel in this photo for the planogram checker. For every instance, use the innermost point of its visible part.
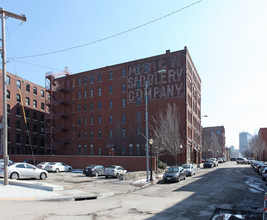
(69, 169)
(106, 177)
(117, 175)
(43, 176)
(57, 170)
(14, 176)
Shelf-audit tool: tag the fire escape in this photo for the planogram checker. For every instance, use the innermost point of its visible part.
(57, 101)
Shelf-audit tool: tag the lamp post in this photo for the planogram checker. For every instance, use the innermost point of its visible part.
(181, 147)
(151, 170)
(148, 83)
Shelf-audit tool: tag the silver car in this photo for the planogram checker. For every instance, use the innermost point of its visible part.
(58, 167)
(42, 165)
(189, 169)
(24, 171)
(114, 171)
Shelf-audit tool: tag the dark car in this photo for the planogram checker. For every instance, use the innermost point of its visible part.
(208, 164)
(174, 174)
(94, 170)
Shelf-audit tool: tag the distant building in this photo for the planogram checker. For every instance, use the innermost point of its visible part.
(244, 138)
(29, 137)
(213, 142)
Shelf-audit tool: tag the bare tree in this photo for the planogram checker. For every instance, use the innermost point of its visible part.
(166, 131)
(256, 146)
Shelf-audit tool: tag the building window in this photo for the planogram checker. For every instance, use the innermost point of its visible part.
(218, 131)
(28, 87)
(79, 149)
(85, 120)
(138, 131)
(123, 73)
(79, 108)
(42, 129)
(91, 78)
(99, 119)
(35, 128)
(138, 149)
(91, 106)
(18, 113)
(99, 151)
(84, 107)
(18, 98)
(34, 141)
(79, 121)
(99, 77)
(85, 149)
(130, 149)
(110, 75)
(138, 100)
(18, 139)
(18, 125)
(8, 94)
(84, 80)
(34, 116)
(18, 84)
(79, 81)
(28, 101)
(137, 84)
(85, 134)
(27, 140)
(138, 116)
(79, 134)
(42, 106)
(110, 119)
(8, 108)
(110, 104)
(34, 103)
(146, 68)
(123, 87)
(123, 117)
(99, 91)
(123, 132)
(91, 149)
(27, 113)
(91, 92)
(99, 105)
(79, 95)
(110, 89)
(42, 118)
(123, 102)
(8, 80)
(85, 93)
(138, 70)
(99, 133)
(110, 133)
(34, 90)
(91, 133)
(91, 120)
(42, 93)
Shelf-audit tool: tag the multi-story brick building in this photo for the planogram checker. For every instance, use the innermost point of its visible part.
(213, 142)
(29, 137)
(102, 111)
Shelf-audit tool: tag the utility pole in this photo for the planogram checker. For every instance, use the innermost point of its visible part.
(4, 119)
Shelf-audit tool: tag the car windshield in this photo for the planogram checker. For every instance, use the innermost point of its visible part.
(91, 166)
(173, 170)
(186, 166)
(53, 163)
(208, 161)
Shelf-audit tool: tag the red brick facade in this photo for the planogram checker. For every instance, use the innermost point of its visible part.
(20, 141)
(102, 111)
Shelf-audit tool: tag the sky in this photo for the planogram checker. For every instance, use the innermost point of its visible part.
(227, 40)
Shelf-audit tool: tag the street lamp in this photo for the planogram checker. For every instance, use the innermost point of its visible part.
(148, 83)
(151, 170)
(181, 147)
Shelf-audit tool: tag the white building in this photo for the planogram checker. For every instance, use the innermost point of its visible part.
(244, 138)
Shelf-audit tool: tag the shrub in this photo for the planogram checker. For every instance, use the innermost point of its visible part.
(162, 165)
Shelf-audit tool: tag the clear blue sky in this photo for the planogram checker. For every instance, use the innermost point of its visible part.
(227, 40)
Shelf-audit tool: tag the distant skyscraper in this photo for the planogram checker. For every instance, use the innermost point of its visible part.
(244, 138)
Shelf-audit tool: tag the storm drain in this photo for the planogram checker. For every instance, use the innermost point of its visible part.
(82, 198)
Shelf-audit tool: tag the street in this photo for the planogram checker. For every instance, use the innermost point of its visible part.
(211, 194)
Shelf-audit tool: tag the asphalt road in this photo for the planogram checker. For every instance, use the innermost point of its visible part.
(229, 190)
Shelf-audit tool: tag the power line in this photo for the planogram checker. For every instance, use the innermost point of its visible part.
(111, 36)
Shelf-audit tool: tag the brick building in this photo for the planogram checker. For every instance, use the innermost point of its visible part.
(263, 140)
(102, 111)
(24, 138)
(213, 142)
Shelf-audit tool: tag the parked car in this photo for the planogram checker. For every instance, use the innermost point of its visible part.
(174, 174)
(42, 165)
(189, 169)
(24, 171)
(240, 160)
(233, 159)
(260, 168)
(215, 161)
(58, 167)
(114, 171)
(208, 164)
(31, 161)
(94, 170)
(2, 162)
(220, 160)
(264, 174)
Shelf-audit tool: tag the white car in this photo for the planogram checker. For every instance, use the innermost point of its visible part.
(114, 171)
(58, 167)
(24, 171)
(42, 165)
